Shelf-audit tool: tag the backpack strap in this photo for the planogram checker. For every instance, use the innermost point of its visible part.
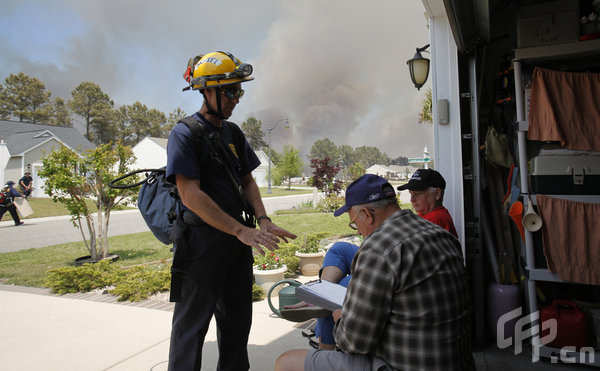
(150, 174)
(200, 132)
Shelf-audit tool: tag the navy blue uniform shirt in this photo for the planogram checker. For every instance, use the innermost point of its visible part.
(185, 156)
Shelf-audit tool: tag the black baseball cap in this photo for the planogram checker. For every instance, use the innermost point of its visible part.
(423, 179)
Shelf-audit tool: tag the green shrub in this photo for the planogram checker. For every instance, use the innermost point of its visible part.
(139, 283)
(86, 278)
(330, 204)
(133, 284)
(269, 260)
(311, 244)
(258, 293)
(286, 252)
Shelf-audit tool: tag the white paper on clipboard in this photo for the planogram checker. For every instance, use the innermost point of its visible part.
(322, 293)
(23, 207)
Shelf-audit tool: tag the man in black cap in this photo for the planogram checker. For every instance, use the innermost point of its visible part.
(8, 194)
(407, 305)
(426, 188)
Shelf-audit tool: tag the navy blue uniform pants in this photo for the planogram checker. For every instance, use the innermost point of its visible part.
(217, 281)
(13, 212)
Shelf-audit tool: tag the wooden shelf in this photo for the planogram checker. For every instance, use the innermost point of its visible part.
(559, 51)
(543, 275)
(593, 199)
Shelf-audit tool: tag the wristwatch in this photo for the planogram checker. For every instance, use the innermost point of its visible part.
(261, 218)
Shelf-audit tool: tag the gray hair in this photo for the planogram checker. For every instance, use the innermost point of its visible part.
(433, 189)
(379, 204)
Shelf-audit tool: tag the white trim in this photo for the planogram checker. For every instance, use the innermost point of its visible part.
(46, 141)
(447, 138)
(45, 133)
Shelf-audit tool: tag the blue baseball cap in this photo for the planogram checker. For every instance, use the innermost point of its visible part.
(366, 189)
(10, 183)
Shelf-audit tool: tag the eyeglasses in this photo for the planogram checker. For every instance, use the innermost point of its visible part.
(352, 223)
(233, 93)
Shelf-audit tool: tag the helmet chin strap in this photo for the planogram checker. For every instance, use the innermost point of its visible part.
(211, 111)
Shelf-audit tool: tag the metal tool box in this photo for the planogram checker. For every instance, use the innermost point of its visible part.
(576, 175)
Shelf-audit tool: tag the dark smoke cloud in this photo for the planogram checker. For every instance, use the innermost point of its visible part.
(336, 69)
(339, 72)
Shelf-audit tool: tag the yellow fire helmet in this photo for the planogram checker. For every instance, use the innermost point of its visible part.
(216, 69)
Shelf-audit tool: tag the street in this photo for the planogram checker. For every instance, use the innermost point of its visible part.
(49, 231)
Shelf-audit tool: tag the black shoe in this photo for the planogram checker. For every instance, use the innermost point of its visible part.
(20, 223)
(310, 334)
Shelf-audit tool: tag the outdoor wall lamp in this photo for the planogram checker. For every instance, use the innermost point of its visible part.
(419, 68)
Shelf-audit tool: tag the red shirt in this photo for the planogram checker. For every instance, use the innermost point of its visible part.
(441, 217)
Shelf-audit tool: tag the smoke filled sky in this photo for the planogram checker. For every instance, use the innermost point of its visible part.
(336, 68)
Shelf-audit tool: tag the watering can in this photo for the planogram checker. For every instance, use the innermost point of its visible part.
(287, 295)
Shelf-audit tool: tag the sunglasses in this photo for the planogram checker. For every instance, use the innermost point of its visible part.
(233, 93)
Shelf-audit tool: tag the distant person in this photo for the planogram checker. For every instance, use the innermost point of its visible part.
(8, 195)
(26, 184)
(426, 188)
(407, 304)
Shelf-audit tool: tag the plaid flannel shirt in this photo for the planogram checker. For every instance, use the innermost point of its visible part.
(408, 300)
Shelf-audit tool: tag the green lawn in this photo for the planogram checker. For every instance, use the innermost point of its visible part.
(28, 267)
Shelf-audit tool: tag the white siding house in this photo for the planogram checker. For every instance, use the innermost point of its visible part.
(23, 146)
(151, 153)
(392, 171)
(261, 173)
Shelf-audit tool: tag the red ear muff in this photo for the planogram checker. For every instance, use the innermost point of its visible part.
(187, 75)
(189, 71)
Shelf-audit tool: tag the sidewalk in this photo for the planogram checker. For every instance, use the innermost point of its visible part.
(43, 331)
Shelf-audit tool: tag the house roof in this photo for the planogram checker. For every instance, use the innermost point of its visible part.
(23, 136)
(263, 158)
(160, 141)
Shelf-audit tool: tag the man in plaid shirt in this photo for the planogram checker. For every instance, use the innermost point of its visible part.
(407, 305)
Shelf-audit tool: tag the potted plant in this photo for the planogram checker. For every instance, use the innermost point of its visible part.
(268, 269)
(311, 254)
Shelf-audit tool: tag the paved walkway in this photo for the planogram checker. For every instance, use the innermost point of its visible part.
(43, 331)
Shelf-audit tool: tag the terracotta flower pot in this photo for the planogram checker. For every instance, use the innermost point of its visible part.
(267, 278)
(310, 263)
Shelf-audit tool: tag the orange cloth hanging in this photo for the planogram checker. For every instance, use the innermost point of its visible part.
(565, 107)
(571, 238)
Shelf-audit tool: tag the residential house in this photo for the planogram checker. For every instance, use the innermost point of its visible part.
(392, 172)
(151, 153)
(261, 173)
(25, 144)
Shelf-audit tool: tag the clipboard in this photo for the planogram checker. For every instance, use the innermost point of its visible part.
(322, 293)
(23, 207)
